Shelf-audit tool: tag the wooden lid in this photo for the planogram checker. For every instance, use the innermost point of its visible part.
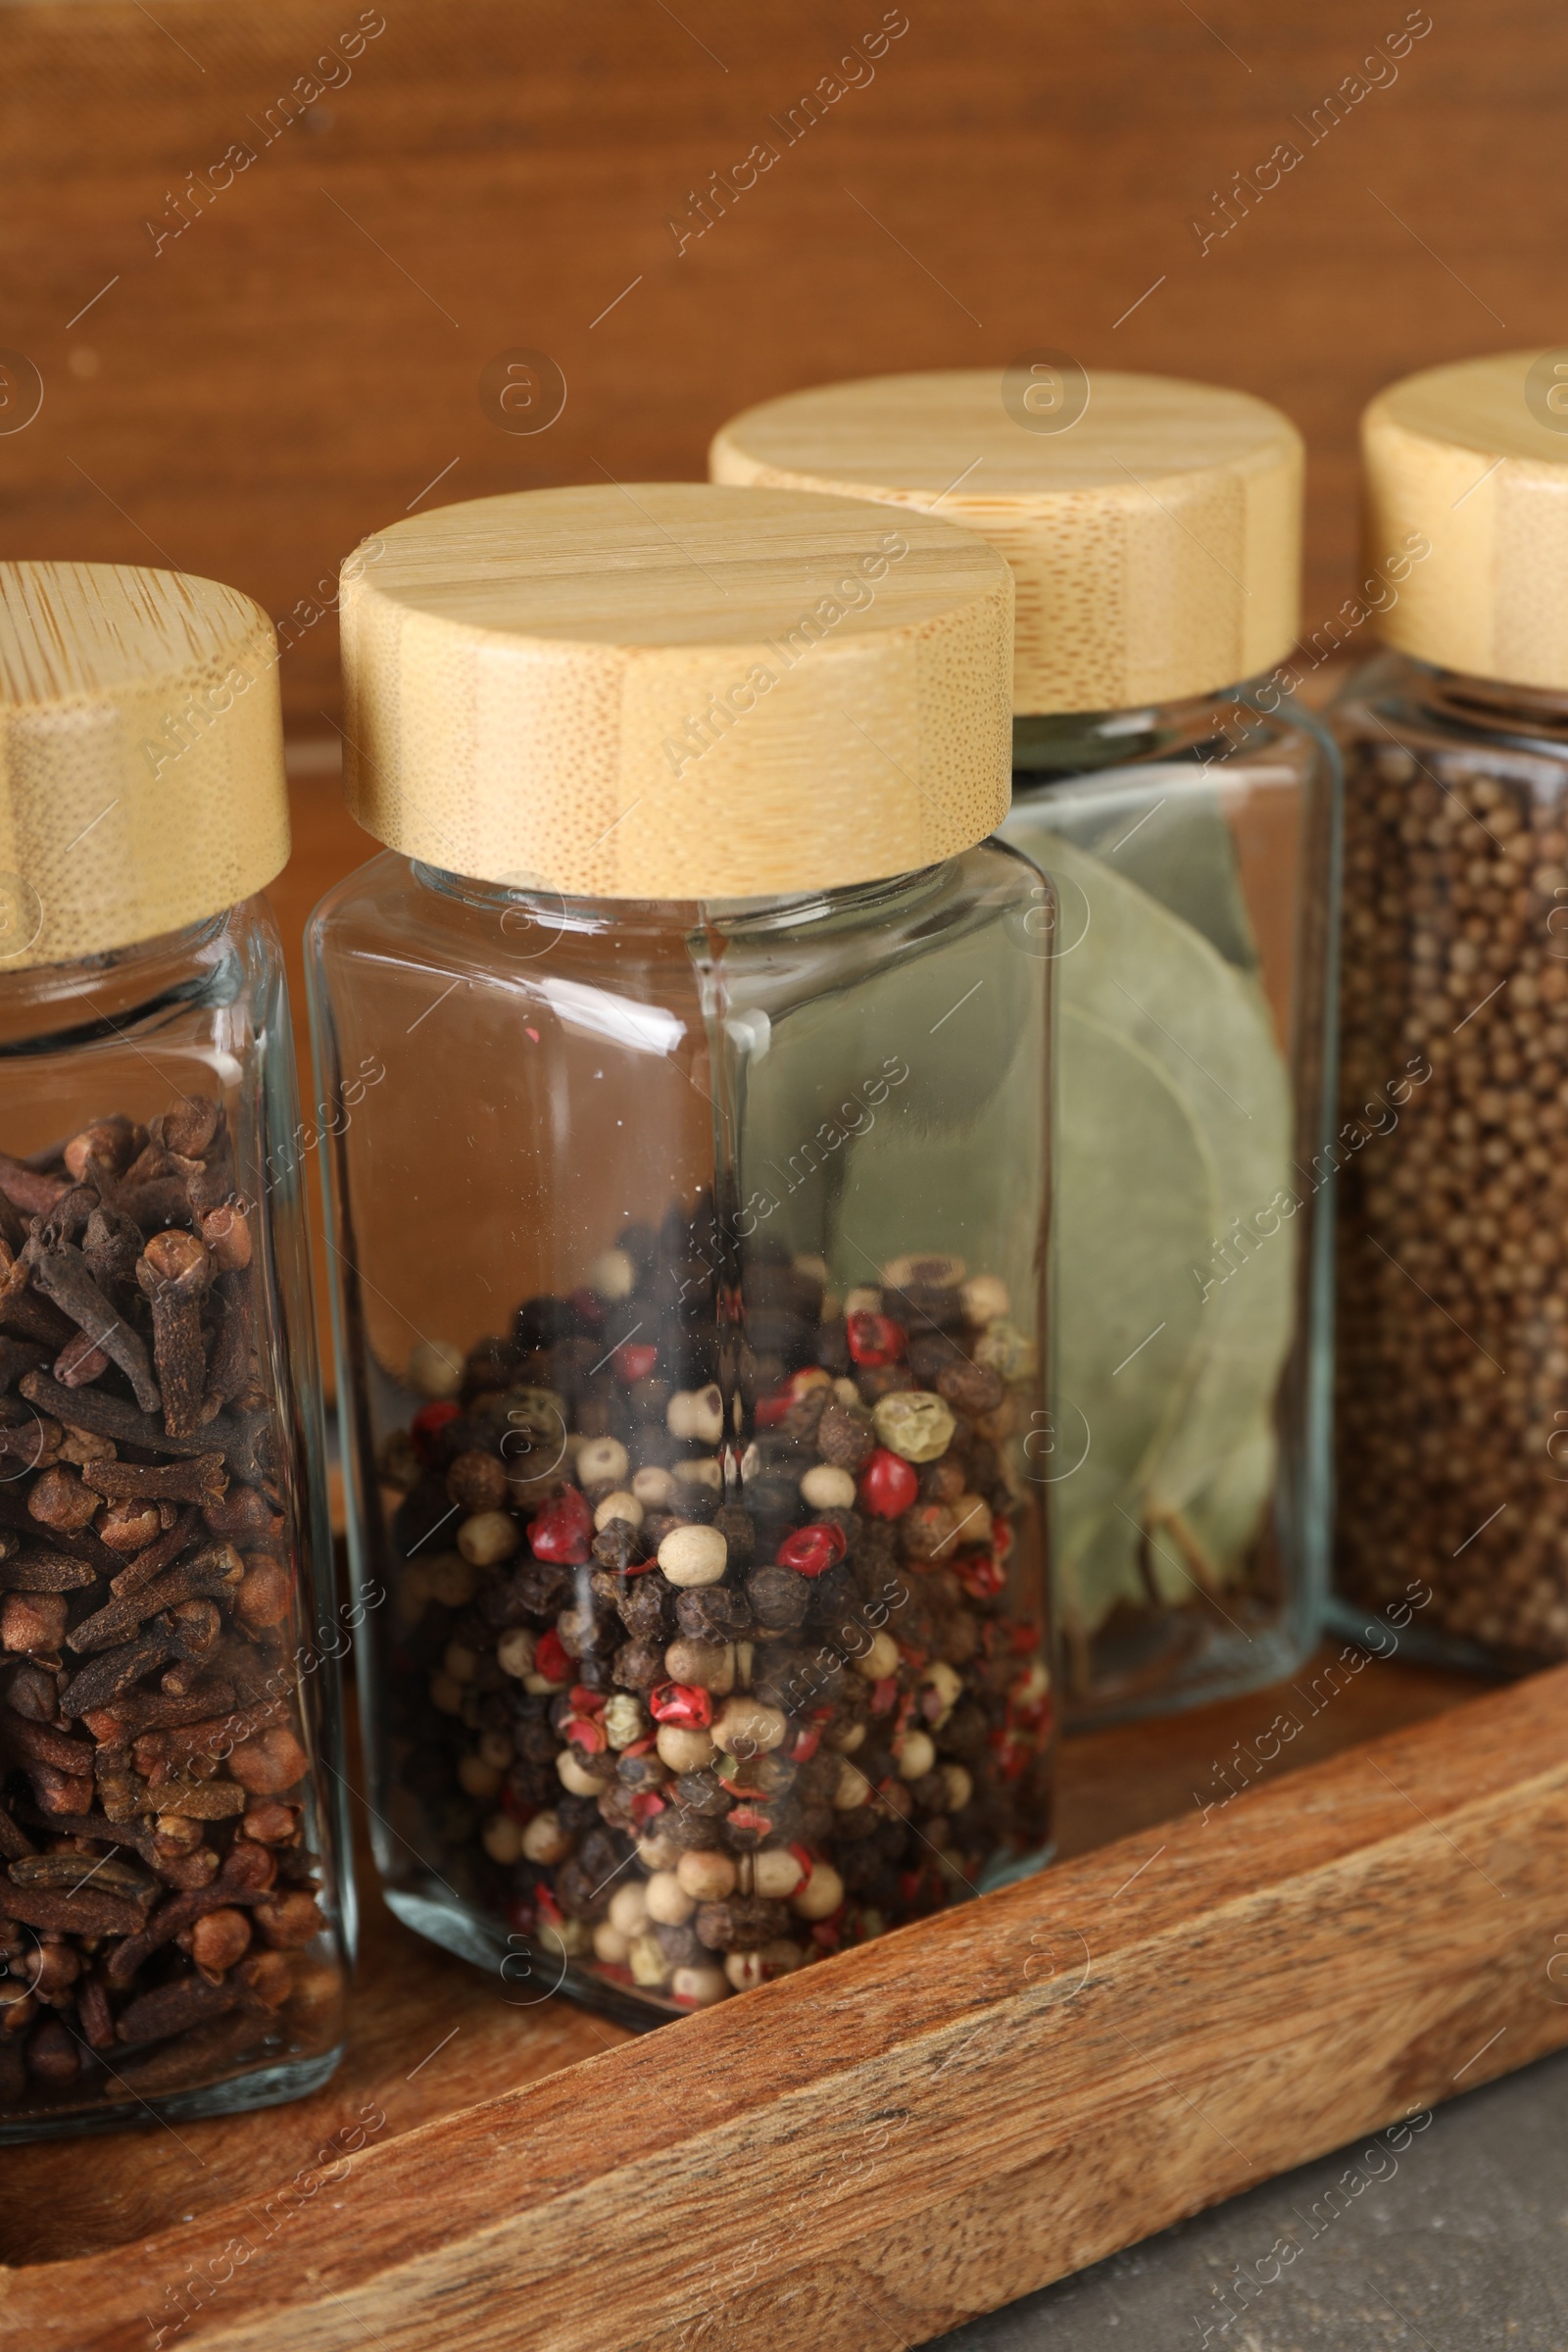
(669, 691)
(1154, 527)
(1472, 460)
(141, 757)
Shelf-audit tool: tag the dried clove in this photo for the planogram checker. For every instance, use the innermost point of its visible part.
(217, 1570)
(138, 1733)
(174, 1274)
(114, 1672)
(111, 1247)
(157, 1556)
(62, 1275)
(80, 1911)
(198, 1479)
(45, 1572)
(27, 1189)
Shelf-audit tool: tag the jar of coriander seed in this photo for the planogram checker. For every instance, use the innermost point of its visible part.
(690, 1253)
(1187, 813)
(1452, 1417)
(174, 1921)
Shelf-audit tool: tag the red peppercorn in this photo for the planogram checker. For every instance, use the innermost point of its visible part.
(520, 1913)
(810, 1550)
(587, 1305)
(549, 1910)
(771, 1410)
(634, 1362)
(981, 1574)
(805, 1745)
(884, 1695)
(585, 1733)
(687, 1704)
(875, 1339)
(1013, 1749)
(513, 1803)
(646, 1806)
(888, 1484)
(422, 1429)
(564, 1530)
(750, 1821)
(549, 1659)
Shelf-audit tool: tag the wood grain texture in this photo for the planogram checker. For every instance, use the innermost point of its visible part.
(296, 366)
(1154, 527)
(141, 757)
(941, 2121)
(641, 690)
(1471, 462)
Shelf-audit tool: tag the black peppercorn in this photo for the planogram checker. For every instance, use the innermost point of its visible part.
(742, 1922)
(713, 1613)
(639, 1665)
(735, 1525)
(779, 1598)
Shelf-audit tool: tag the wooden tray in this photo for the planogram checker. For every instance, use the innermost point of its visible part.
(900, 2137)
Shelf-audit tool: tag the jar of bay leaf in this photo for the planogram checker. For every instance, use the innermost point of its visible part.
(1452, 1444)
(692, 1249)
(1187, 813)
(174, 1909)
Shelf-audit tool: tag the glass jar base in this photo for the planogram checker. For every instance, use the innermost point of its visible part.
(532, 1974)
(1422, 1646)
(1217, 1666)
(267, 2086)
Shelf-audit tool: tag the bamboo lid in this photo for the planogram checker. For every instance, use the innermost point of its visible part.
(670, 691)
(1472, 460)
(141, 757)
(1154, 527)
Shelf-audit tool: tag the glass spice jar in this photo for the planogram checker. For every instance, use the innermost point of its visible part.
(172, 1921)
(1188, 824)
(1452, 1419)
(690, 1253)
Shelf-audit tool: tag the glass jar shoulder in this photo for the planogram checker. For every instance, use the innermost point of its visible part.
(219, 982)
(1398, 703)
(1239, 732)
(976, 904)
(397, 916)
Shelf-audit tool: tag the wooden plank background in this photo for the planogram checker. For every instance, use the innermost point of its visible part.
(252, 395)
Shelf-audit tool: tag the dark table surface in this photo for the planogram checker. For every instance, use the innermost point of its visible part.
(1457, 2241)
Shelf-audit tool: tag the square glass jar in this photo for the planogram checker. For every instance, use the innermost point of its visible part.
(173, 1919)
(690, 1262)
(1188, 824)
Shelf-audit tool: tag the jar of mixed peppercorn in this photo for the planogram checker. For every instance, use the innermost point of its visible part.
(172, 1924)
(690, 1255)
(1187, 812)
(1453, 1264)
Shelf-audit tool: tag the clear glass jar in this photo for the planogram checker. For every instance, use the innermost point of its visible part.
(689, 1266)
(1153, 527)
(172, 1916)
(1193, 849)
(1453, 1429)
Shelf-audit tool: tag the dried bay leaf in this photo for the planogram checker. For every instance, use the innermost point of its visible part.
(1152, 980)
(1137, 1196)
(1165, 832)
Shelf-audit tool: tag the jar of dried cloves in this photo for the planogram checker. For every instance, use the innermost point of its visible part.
(172, 1919)
(1453, 1421)
(1186, 814)
(690, 1249)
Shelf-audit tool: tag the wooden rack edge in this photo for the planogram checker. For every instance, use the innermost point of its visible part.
(938, 2123)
